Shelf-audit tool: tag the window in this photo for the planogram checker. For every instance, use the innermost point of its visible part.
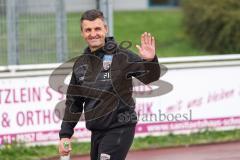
(154, 3)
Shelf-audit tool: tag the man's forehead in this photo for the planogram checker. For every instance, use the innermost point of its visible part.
(96, 22)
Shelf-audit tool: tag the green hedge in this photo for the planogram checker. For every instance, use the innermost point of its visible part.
(214, 25)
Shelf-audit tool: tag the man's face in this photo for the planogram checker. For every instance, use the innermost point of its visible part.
(94, 33)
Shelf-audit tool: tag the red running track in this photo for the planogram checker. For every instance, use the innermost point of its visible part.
(223, 151)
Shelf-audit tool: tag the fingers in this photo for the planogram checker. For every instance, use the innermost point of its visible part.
(142, 40)
(147, 39)
(139, 50)
(64, 153)
(63, 150)
(153, 42)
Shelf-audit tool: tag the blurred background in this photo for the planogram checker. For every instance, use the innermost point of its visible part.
(48, 31)
(198, 41)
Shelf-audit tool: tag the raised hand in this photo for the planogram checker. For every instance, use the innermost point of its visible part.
(147, 48)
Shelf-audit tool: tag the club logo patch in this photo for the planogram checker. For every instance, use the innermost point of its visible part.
(107, 61)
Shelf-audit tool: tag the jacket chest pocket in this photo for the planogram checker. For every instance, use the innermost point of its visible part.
(85, 73)
(80, 72)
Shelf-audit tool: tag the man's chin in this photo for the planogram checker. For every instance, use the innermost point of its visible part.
(96, 46)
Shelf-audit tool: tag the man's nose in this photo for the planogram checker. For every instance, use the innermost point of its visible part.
(93, 34)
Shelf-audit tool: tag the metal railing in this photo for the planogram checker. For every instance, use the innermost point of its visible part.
(36, 32)
(170, 63)
(32, 35)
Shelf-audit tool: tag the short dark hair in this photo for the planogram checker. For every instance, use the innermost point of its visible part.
(91, 15)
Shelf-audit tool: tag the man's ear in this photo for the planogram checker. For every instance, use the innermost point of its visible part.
(106, 27)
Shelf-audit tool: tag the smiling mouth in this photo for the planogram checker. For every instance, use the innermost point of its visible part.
(94, 39)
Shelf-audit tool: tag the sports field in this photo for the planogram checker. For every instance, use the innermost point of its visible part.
(223, 151)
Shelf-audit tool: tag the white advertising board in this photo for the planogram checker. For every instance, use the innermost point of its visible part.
(201, 98)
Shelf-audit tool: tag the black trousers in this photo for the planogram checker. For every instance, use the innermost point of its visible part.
(112, 144)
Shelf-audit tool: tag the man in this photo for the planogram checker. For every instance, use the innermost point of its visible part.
(101, 85)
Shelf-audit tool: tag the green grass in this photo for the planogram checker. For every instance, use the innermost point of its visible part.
(165, 25)
(21, 152)
(3, 41)
(76, 43)
(37, 42)
(185, 140)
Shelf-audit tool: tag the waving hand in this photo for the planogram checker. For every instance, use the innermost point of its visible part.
(147, 48)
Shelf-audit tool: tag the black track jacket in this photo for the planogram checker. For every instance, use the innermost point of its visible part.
(101, 86)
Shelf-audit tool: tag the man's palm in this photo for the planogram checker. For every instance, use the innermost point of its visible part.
(147, 48)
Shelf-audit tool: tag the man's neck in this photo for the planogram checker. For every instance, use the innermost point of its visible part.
(96, 48)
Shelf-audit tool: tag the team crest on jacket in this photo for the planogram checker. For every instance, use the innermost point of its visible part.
(107, 61)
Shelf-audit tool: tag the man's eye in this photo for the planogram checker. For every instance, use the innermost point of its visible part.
(98, 29)
(88, 30)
